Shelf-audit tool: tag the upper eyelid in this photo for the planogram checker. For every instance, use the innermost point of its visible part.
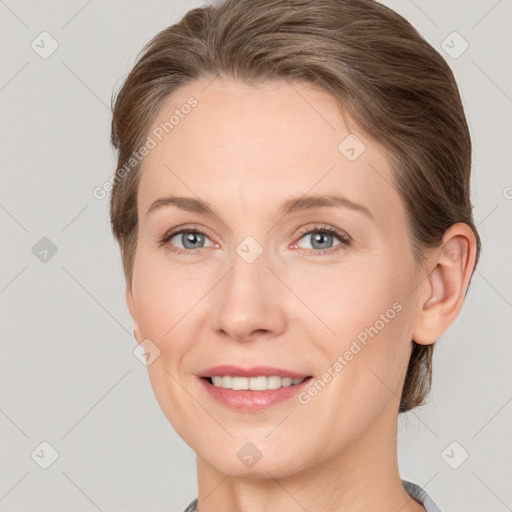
(325, 227)
(302, 231)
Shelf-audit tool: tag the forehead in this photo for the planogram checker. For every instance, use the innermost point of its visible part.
(256, 146)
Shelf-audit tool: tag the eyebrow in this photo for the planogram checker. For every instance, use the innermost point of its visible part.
(291, 205)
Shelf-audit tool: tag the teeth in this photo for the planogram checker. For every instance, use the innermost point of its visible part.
(260, 383)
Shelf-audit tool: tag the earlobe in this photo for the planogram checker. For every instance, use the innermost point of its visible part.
(131, 307)
(445, 289)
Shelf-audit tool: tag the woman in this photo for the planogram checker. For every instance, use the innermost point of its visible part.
(292, 206)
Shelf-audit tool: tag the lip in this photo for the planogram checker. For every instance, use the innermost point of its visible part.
(246, 400)
(253, 371)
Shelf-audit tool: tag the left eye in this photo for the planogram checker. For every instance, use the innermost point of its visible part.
(322, 239)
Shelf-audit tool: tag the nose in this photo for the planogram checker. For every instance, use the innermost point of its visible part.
(248, 301)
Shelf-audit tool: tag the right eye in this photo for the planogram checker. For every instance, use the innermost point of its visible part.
(191, 240)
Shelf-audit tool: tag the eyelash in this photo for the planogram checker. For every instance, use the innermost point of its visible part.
(167, 237)
(344, 239)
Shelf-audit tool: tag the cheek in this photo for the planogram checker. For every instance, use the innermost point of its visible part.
(163, 292)
(350, 297)
(164, 299)
(367, 310)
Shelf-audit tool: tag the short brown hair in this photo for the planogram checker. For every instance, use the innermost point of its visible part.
(387, 77)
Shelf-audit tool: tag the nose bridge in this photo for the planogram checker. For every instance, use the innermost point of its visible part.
(246, 299)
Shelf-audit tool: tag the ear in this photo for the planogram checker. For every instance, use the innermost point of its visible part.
(131, 307)
(442, 296)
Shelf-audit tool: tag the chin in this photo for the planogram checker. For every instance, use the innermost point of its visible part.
(247, 463)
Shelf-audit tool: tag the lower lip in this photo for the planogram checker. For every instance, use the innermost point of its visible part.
(252, 400)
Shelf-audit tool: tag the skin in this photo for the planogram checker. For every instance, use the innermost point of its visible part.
(245, 150)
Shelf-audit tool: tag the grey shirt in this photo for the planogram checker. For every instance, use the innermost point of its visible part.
(414, 491)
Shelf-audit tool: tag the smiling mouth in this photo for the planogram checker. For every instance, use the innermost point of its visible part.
(258, 383)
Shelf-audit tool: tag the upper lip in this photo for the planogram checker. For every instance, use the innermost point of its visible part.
(253, 371)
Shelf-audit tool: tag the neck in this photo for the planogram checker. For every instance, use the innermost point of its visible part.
(363, 476)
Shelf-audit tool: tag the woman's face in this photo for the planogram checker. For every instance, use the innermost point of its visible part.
(263, 284)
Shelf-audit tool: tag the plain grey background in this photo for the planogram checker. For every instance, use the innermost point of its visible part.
(68, 374)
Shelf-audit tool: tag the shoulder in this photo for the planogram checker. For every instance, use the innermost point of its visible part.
(419, 494)
(191, 507)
